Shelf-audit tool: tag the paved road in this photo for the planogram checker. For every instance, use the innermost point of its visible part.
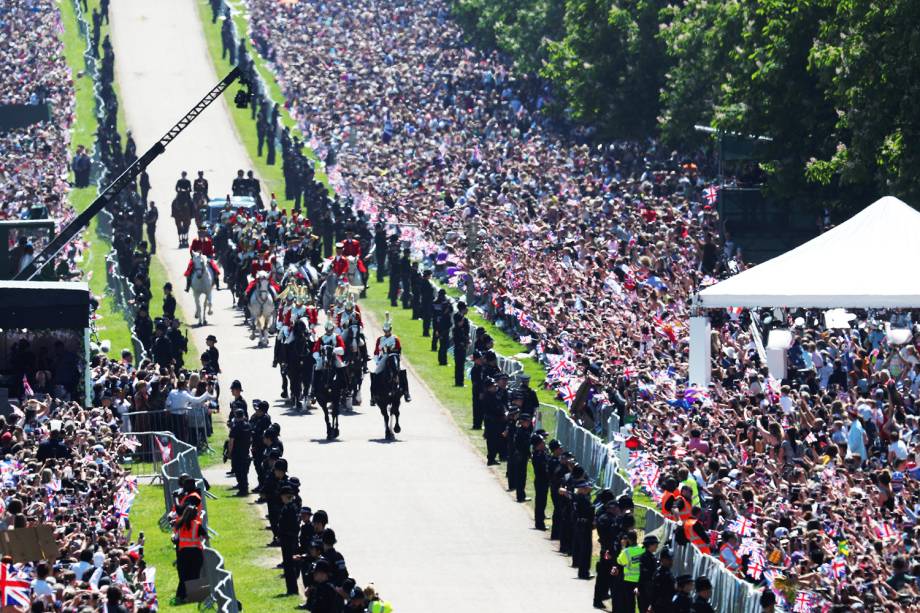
(421, 517)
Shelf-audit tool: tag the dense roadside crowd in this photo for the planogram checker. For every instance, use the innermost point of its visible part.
(62, 469)
(589, 253)
(34, 159)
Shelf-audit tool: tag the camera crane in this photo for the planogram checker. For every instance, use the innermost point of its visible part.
(57, 244)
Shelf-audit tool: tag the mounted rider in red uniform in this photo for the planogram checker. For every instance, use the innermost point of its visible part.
(352, 248)
(205, 246)
(264, 263)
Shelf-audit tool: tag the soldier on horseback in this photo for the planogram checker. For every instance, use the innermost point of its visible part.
(205, 246)
(386, 345)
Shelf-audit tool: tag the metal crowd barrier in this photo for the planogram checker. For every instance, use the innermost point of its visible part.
(192, 426)
(607, 469)
(184, 459)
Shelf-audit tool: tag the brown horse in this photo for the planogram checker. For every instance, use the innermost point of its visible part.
(182, 213)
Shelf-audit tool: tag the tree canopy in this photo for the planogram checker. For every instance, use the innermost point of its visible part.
(835, 83)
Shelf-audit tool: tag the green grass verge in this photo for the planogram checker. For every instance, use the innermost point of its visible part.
(239, 533)
(272, 177)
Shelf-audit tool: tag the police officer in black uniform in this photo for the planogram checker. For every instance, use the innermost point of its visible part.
(477, 376)
(681, 602)
(380, 249)
(336, 559)
(531, 403)
(556, 470)
(271, 492)
(437, 308)
(703, 587)
(608, 528)
(663, 584)
(239, 446)
(259, 421)
(520, 454)
(288, 533)
(445, 326)
(238, 402)
(461, 338)
(648, 566)
(540, 462)
(405, 279)
(493, 418)
(583, 512)
(426, 301)
(417, 280)
(393, 258)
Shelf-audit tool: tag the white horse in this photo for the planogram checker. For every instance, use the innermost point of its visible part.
(261, 309)
(203, 282)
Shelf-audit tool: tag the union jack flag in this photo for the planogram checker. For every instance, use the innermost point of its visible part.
(741, 526)
(568, 393)
(711, 194)
(755, 569)
(14, 590)
(802, 602)
(884, 531)
(839, 567)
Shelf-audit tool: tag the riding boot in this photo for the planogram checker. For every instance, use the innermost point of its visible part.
(188, 283)
(373, 389)
(404, 383)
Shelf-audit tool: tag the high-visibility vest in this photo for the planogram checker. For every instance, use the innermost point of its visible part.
(686, 512)
(629, 560)
(695, 539)
(695, 488)
(730, 559)
(380, 606)
(189, 537)
(665, 500)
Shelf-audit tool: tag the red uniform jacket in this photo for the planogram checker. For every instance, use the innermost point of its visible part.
(203, 245)
(319, 343)
(397, 348)
(340, 266)
(351, 247)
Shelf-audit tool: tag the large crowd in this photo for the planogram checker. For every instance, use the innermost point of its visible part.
(589, 252)
(34, 159)
(62, 472)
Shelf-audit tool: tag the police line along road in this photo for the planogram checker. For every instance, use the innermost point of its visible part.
(421, 517)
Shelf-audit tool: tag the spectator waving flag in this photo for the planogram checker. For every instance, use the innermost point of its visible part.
(165, 450)
(711, 194)
(839, 567)
(26, 388)
(150, 588)
(14, 590)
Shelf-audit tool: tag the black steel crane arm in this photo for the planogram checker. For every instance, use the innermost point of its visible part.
(59, 242)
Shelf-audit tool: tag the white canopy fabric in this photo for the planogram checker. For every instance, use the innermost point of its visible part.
(869, 261)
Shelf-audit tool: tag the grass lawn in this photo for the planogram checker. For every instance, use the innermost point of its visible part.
(239, 533)
(272, 177)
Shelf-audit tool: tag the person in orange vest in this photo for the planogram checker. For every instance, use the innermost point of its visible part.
(190, 545)
(667, 500)
(728, 552)
(695, 533)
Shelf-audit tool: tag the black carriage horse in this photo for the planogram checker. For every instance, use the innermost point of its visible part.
(356, 362)
(387, 390)
(328, 389)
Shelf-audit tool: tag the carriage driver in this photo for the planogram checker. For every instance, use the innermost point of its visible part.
(329, 339)
(387, 344)
(204, 245)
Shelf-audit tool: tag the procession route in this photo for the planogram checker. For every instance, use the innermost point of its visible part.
(422, 517)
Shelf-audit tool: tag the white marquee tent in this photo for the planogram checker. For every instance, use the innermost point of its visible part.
(869, 261)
